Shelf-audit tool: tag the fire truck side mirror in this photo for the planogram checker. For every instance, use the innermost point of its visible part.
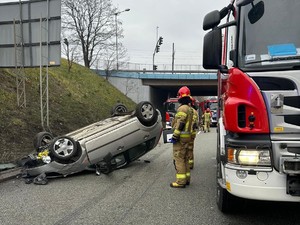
(212, 49)
(243, 2)
(223, 69)
(256, 12)
(211, 20)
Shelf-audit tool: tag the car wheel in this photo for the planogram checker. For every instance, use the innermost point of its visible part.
(146, 113)
(119, 108)
(42, 139)
(63, 148)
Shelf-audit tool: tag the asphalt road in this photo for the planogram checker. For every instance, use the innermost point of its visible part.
(139, 194)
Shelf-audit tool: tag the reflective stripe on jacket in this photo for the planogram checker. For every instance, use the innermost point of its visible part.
(206, 116)
(195, 121)
(184, 115)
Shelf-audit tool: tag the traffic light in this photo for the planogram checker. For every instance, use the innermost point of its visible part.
(157, 48)
(154, 67)
(66, 41)
(160, 40)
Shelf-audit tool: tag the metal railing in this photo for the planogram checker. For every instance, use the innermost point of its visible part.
(149, 67)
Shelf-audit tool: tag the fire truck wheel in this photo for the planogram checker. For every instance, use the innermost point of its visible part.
(222, 199)
(226, 202)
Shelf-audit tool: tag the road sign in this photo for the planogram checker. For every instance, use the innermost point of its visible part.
(33, 28)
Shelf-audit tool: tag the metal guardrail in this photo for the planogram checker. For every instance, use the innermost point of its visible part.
(168, 71)
(158, 74)
(102, 64)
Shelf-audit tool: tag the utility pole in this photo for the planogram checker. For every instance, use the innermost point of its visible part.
(173, 58)
(116, 24)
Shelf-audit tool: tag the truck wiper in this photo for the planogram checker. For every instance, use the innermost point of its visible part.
(275, 59)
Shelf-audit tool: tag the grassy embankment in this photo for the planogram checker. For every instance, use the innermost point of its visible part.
(76, 99)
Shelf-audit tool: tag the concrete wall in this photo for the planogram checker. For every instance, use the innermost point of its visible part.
(135, 90)
(132, 88)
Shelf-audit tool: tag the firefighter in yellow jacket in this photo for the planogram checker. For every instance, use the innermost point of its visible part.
(182, 126)
(195, 127)
(206, 117)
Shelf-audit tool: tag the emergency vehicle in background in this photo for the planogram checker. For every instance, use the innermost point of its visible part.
(170, 107)
(258, 146)
(212, 104)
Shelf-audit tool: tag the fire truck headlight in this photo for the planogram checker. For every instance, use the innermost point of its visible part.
(249, 157)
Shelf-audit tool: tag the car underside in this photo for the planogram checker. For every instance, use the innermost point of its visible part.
(103, 146)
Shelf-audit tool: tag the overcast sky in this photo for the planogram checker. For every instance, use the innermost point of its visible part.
(179, 22)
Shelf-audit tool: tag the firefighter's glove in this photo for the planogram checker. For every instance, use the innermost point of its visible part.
(174, 139)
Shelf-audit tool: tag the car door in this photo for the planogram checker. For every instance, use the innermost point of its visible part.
(98, 146)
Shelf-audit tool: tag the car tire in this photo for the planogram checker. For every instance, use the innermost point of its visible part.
(42, 139)
(146, 113)
(63, 148)
(119, 109)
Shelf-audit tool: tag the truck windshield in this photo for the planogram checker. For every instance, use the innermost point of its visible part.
(273, 41)
(171, 106)
(213, 106)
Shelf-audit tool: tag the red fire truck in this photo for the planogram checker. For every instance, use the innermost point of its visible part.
(212, 104)
(257, 54)
(170, 107)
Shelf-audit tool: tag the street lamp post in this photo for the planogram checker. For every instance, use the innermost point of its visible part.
(68, 53)
(116, 21)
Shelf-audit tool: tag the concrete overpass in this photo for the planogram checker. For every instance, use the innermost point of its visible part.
(157, 86)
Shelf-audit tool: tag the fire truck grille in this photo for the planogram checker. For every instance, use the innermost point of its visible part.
(292, 119)
(291, 167)
(292, 101)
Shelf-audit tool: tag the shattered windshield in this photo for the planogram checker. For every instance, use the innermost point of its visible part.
(272, 41)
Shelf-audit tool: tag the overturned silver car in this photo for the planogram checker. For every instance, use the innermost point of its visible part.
(103, 146)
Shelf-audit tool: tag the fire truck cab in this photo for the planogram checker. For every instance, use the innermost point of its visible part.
(257, 54)
(170, 108)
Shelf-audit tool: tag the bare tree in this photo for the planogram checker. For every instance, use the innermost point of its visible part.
(122, 55)
(109, 62)
(91, 25)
